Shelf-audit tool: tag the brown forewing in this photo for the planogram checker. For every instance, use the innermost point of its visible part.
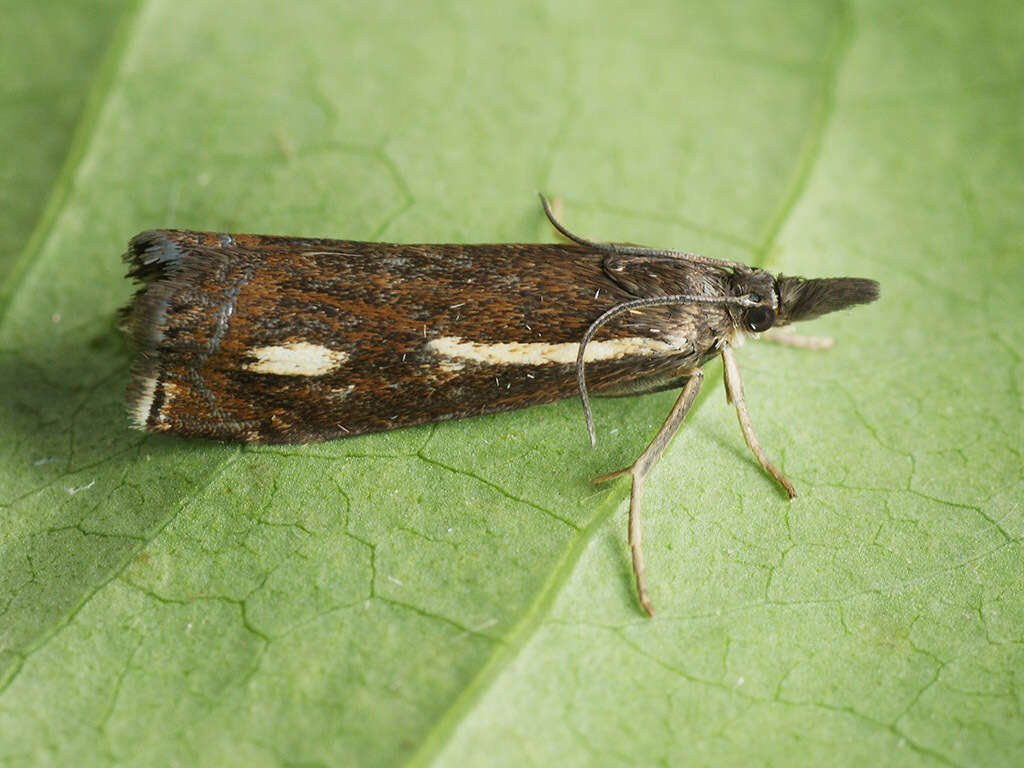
(209, 300)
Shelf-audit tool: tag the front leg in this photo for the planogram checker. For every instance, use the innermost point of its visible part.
(638, 471)
(734, 392)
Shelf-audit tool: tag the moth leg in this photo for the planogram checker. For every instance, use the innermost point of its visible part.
(638, 471)
(734, 394)
(790, 339)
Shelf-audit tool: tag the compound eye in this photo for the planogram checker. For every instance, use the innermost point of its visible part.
(759, 319)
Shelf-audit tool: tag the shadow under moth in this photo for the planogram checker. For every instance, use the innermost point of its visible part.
(265, 339)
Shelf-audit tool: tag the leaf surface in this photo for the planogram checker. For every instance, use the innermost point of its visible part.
(461, 594)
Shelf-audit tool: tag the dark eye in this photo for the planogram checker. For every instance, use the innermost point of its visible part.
(759, 319)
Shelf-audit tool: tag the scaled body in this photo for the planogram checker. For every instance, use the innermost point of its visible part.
(275, 339)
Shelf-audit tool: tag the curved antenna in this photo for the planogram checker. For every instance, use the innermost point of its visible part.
(618, 309)
(635, 250)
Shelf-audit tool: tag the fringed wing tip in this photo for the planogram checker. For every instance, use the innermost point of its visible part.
(152, 254)
(139, 398)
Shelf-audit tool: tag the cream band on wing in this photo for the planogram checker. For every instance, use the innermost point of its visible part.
(299, 358)
(541, 353)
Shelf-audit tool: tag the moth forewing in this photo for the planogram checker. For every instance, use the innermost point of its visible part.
(284, 339)
(266, 339)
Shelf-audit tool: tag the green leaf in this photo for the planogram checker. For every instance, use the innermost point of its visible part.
(461, 594)
(49, 53)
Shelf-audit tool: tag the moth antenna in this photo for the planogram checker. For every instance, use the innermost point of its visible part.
(636, 250)
(565, 232)
(618, 309)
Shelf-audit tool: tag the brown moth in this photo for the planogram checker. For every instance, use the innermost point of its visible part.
(265, 339)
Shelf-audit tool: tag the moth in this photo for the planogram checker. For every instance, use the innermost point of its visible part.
(265, 339)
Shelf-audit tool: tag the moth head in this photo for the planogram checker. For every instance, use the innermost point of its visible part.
(758, 286)
(805, 299)
(783, 300)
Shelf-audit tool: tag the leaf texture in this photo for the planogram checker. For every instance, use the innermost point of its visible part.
(461, 594)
